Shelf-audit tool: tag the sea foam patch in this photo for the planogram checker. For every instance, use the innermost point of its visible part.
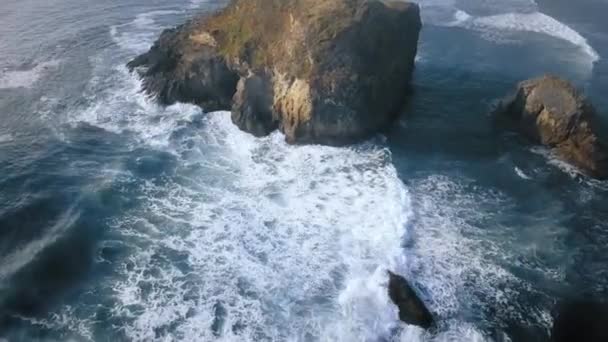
(6, 137)
(293, 242)
(460, 250)
(254, 239)
(28, 77)
(251, 238)
(495, 20)
(138, 35)
(525, 22)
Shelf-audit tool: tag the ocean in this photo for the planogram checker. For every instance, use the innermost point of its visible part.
(121, 220)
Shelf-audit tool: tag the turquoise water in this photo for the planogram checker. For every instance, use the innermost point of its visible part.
(122, 220)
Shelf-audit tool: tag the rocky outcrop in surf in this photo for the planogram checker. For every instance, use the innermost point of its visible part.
(329, 72)
(552, 112)
(411, 309)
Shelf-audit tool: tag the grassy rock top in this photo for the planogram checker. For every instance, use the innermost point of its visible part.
(264, 33)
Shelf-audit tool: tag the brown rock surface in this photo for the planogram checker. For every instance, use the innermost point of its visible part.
(329, 72)
(552, 112)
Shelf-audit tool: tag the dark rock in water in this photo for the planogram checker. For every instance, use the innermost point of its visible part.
(206, 80)
(581, 321)
(411, 309)
(329, 72)
(552, 112)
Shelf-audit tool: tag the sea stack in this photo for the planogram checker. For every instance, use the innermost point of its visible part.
(552, 112)
(326, 72)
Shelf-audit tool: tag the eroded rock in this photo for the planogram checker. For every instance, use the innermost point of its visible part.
(329, 72)
(552, 112)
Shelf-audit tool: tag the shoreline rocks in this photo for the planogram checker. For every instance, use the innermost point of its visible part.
(326, 72)
(411, 308)
(552, 112)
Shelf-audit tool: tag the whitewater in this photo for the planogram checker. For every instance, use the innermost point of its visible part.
(228, 237)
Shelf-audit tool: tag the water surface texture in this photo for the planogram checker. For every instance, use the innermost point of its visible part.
(124, 221)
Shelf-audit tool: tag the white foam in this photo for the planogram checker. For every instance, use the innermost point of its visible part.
(26, 78)
(124, 108)
(460, 17)
(554, 160)
(68, 319)
(453, 257)
(6, 137)
(532, 22)
(294, 242)
(521, 173)
(296, 224)
(138, 35)
(506, 17)
(570, 169)
(309, 231)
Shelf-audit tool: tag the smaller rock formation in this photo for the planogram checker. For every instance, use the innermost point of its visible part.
(581, 320)
(411, 309)
(550, 111)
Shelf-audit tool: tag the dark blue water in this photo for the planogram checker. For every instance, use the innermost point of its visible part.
(122, 220)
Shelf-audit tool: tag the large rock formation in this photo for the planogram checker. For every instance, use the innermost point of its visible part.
(329, 72)
(552, 112)
(411, 309)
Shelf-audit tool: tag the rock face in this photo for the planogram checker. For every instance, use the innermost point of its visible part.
(552, 112)
(411, 309)
(581, 320)
(329, 72)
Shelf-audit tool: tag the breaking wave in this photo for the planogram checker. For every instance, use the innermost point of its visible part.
(536, 22)
(503, 18)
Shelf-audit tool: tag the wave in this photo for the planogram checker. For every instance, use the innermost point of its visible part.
(521, 174)
(571, 170)
(524, 22)
(276, 241)
(138, 35)
(6, 137)
(496, 20)
(287, 241)
(464, 272)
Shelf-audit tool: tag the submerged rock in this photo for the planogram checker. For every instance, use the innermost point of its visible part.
(329, 72)
(552, 112)
(411, 309)
(581, 320)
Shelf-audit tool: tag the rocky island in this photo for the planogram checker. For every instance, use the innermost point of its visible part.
(326, 72)
(552, 112)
